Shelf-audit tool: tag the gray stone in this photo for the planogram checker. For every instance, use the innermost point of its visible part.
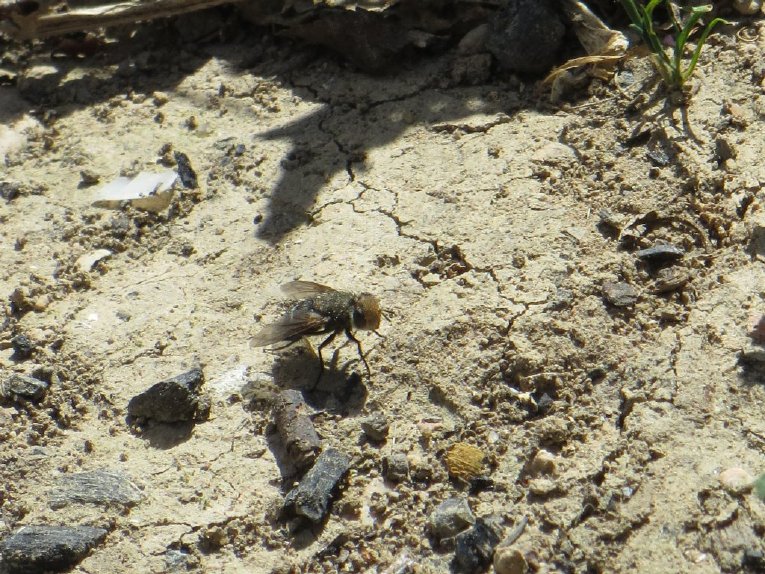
(661, 253)
(20, 388)
(171, 401)
(376, 427)
(450, 518)
(395, 467)
(97, 487)
(525, 36)
(37, 548)
(475, 547)
(311, 497)
(620, 294)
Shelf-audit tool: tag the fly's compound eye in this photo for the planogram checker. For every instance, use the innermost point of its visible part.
(359, 320)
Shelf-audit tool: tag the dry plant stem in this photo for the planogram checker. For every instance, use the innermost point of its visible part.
(43, 25)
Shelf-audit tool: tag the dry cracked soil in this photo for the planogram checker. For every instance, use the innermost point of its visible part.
(607, 387)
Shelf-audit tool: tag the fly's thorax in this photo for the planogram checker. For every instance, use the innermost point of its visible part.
(366, 312)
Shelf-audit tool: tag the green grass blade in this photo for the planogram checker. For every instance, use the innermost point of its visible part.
(702, 41)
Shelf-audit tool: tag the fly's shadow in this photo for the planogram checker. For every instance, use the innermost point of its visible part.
(340, 390)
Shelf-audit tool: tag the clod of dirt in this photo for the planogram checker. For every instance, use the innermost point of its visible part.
(736, 481)
(543, 487)
(100, 487)
(21, 388)
(395, 467)
(544, 462)
(376, 427)
(526, 35)
(173, 400)
(295, 429)
(475, 547)
(39, 548)
(620, 294)
(450, 518)
(23, 347)
(311, 497)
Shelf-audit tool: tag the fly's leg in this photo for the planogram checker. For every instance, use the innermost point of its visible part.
(324, 343)
(361, 353)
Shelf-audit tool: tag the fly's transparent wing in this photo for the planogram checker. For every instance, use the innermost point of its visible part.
(305, 289)
(290, 327)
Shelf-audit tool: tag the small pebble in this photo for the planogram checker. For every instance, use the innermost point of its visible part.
(747, 7)
(22, 347)
(376, 427)
(509, 561)
(173, 400)
(542, 486)
(662, 253)
(475, 547)
(450, 518)
(736, 481)
(41, 303)
(89, 177)
(20, 388)
(543, 463)
(186, 173)
(395, 467)
(620, 294)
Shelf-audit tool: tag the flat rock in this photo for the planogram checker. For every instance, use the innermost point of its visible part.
(171, 401)
(37, 548)
(620, 294)
(20, 388)
(98, 487)
(661, 253)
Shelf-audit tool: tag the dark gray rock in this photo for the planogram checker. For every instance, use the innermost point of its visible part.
(375, 426)
(450, 518)
(22, 347)
(395, 467)
(311, 497)
(526, 35)
(662, 253)
(97, 487)
(620, 294)
(36, 548)
(20, 388)
(475, 547)
(295, 429)
(174, 400)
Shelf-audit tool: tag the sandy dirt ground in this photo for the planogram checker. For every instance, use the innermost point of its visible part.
(491, 224)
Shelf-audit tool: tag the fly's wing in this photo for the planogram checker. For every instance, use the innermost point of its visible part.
(290, 327)
(305, 289)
